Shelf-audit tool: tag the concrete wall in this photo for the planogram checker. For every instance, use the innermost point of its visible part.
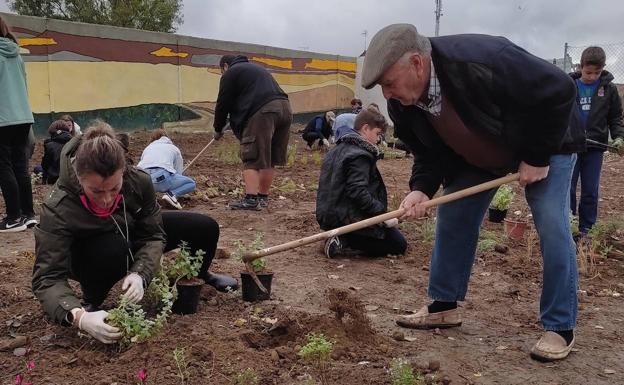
(90, 70)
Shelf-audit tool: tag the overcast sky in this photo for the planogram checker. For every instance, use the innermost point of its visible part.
(540, 26)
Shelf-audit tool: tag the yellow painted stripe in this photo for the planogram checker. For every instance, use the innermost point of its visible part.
(36, 41)
(331, 65)
(167, 52)
(287, 64)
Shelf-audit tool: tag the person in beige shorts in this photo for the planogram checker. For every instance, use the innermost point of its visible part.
(260, 117)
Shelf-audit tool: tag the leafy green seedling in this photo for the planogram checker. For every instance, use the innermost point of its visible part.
(257, 265)
(503, 197)
(247, 377)
(318, 352)
(401, 373)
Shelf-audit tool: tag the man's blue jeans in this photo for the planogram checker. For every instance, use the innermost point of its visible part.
(588, 167)
(164, 181)
(457, 233)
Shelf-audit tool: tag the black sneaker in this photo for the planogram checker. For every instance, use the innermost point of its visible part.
(333, 247)
(263, 201)
(12, 225)
(246, 204)
(30, 220)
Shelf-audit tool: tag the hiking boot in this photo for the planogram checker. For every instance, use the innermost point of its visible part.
(263, 201)
(425, 320)
(333, 247)
(171, 200)
(551, 347)
(30, 220)
(247, 203)
(12, 225)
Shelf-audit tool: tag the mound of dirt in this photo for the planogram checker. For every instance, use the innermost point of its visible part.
(349, 310)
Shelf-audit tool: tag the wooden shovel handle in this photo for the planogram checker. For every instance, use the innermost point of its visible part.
(198, 155)
(379, 218)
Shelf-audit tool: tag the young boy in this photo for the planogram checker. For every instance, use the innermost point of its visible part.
(601, 112)
(351, 189)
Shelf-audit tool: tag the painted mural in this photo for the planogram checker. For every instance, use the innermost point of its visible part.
(141, 79)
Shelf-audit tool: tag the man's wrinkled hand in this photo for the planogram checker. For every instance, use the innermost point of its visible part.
(531, 174)
(133, 287)
(94, 324)
(413, 205)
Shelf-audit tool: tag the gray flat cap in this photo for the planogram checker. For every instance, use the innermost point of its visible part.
(386, 47)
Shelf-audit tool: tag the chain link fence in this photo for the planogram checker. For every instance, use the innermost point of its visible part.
(615, 59)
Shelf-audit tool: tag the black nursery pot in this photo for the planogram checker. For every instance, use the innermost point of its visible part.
(188, 296)
(496, 216)
(251, 291)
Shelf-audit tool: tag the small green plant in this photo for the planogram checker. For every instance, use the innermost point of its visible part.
(291, 155)
(487, 241)
(427, 230)
(286, 185)
(503, 197)
(304, 159)
(184, 265)
(318, 352)
(241, 249)
(316, 158)
(181, 361)
(228, 152)
(247, 377)
(401, 373)
(236, 192)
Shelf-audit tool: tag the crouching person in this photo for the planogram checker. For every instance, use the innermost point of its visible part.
(351, 189)
(101, 224)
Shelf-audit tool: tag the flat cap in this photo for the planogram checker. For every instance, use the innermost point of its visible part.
(386, 47)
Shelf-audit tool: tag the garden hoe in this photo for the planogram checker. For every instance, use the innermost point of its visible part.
(604, 145)
(198, 155)
(248, 257)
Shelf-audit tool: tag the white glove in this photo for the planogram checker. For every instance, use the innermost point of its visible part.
(391, 222)
(134, 283)
(93, 323)
(325, 143)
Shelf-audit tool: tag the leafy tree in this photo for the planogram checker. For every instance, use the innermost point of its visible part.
(151, 15)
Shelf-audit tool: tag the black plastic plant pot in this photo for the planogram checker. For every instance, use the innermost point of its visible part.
(188, 296)
(251, 291)
(496, 216)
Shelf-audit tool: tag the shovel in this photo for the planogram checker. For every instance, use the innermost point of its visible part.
(248, 257)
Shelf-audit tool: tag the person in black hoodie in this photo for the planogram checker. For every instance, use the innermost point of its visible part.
(60, 133)
(601, 111)
(472, 108)
(351, 189)
(319, 129)
(260, 117)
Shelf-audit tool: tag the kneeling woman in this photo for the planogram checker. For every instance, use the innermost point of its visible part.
(101, 223)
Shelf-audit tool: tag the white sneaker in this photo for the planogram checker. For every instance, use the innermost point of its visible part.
(171, 200)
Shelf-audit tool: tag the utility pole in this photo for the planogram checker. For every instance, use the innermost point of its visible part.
(365, 34)
(438, 13)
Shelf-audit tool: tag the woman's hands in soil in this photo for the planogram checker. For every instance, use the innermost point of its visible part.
(413, 205)
(93, 323)
(531, 174)
(133, 287)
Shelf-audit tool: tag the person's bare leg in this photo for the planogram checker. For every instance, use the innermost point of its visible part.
(265, 180)
(252, 179)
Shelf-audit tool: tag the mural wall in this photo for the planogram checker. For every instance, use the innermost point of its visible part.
(140, 79)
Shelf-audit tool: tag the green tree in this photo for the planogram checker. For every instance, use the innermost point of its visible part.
(151, 15)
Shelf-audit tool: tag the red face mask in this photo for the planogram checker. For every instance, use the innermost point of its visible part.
(97, 210)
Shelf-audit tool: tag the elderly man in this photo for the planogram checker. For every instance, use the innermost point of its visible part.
(472, 108)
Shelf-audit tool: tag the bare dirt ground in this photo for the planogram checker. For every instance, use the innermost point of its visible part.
(491, 347)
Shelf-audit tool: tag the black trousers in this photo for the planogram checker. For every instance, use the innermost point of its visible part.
(14, 176)
(393, 243)
(312, 136)
(101, 261)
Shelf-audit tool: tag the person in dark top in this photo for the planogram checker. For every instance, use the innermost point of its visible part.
(319, 129)
(356, 105)
(601, 112)
(60, 133)
(472, 108)
(260, 117)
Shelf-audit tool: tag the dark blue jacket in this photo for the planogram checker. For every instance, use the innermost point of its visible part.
(243, 89)
(319, 125)
(495, 86)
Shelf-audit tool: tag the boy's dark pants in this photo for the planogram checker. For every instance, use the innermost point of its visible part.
(14, 176)
(588, 166)
(312, 136)
(393, 243)
(101, 261)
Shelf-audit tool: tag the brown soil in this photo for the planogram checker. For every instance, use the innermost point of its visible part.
(352, 301)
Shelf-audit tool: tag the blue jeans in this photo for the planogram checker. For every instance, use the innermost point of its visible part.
(457, 233)
(588, 167)
(165, 181)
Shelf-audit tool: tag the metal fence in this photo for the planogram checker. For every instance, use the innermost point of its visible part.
(615, 59)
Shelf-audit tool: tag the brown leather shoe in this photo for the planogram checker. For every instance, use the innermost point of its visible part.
(425, 320)
(551, 347)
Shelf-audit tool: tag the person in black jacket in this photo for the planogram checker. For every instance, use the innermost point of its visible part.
(60, 133)
(260, 117)
(319, 129)
(351, 189)
(472, 108)
(601, 111)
